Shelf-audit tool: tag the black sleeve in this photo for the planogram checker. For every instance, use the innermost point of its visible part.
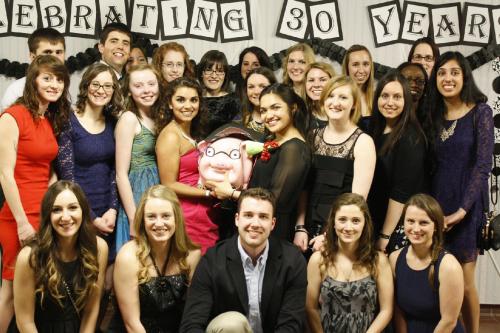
(290, 172)
(199, 300)
(408, 168)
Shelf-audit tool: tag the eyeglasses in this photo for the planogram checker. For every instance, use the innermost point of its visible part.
(171, 65)
(218, 72)
(419, 57)
(233, 154)
(107, 87)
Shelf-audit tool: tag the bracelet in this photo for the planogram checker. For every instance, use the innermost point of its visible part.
(300, 227)
(302, 230)
(384, 236)
(207, 193)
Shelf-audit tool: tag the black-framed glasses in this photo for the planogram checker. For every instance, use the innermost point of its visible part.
(419, 57)
(107, 87)
(210, 71)
(233, 154)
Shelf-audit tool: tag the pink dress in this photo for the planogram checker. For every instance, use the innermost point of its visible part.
(199, 225)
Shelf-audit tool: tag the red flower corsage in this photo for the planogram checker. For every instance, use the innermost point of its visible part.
(265, 155)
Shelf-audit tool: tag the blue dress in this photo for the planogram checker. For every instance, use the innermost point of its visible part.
(461, 178)
(143, 173)
(418, 301)
(89, 160)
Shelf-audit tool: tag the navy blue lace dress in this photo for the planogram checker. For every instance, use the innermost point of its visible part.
(461, 178)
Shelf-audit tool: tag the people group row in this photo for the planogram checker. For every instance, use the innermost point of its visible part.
(334, 146)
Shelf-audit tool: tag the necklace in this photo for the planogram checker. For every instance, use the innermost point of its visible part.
(447, 133)
(185, 136)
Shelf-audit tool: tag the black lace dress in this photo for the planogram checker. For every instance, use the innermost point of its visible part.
(221, 110)
(332, 173)
(284, 174)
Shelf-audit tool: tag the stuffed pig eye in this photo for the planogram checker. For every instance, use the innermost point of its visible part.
(234, 154)
(210, 152)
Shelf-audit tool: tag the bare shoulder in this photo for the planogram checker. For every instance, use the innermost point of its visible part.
(315, 259)
(169, 134)
(193, 258)
(364, 142)
(128, 118)
(24, 255)
(127, 254)
(393, 257)
(449, 266)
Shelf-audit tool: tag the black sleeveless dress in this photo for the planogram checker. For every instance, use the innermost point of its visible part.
(332, 173)
(50, 317)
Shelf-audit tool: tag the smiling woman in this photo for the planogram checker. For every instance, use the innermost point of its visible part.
(177, 158)
(27, 149)
(402, 149)
(87, 146)
(153, 271)
(60, 276)
(349, 283)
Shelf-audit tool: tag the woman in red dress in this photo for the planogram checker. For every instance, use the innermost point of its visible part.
(28, 146)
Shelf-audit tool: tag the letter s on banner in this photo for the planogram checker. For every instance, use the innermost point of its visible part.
(293, 23)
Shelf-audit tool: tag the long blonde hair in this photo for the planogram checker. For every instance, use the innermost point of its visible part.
(368, 87)
(309, 57)
(180, 242)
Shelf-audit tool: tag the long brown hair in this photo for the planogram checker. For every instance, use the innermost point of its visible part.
(159, 108)
(366, 255)
(309, 57)
(57, 112)
(45, 259)
(314, 107)
(115, 106)
(180, 244)
(432, 208)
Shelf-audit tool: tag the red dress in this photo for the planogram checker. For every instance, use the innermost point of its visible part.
(199, 226)
(37, 148)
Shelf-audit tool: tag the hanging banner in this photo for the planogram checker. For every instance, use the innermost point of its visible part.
(230, 20)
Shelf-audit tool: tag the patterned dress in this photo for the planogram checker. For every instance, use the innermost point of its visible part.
(348, 307)
(143, 173)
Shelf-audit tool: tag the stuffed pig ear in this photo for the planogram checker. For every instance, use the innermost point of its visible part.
(252, 147)
(202, 145)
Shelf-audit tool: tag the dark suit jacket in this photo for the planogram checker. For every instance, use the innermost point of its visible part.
(219, 286)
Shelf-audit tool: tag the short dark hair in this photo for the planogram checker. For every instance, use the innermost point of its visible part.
(44, 34)
(207, 61)
(258, 193)
(115, 26)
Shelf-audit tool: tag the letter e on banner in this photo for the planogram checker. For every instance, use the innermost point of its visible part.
(415, 22)
(174, 18)
(324, 20)
(235, 20)
(495, 20)
(293, 23)
(24, 17)
(144, 19)
(446, 24)
(113, 11)
(53, 14)
(83, 19)
(4, 21)
(385, 22)
(477, 25)
(204, 20)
